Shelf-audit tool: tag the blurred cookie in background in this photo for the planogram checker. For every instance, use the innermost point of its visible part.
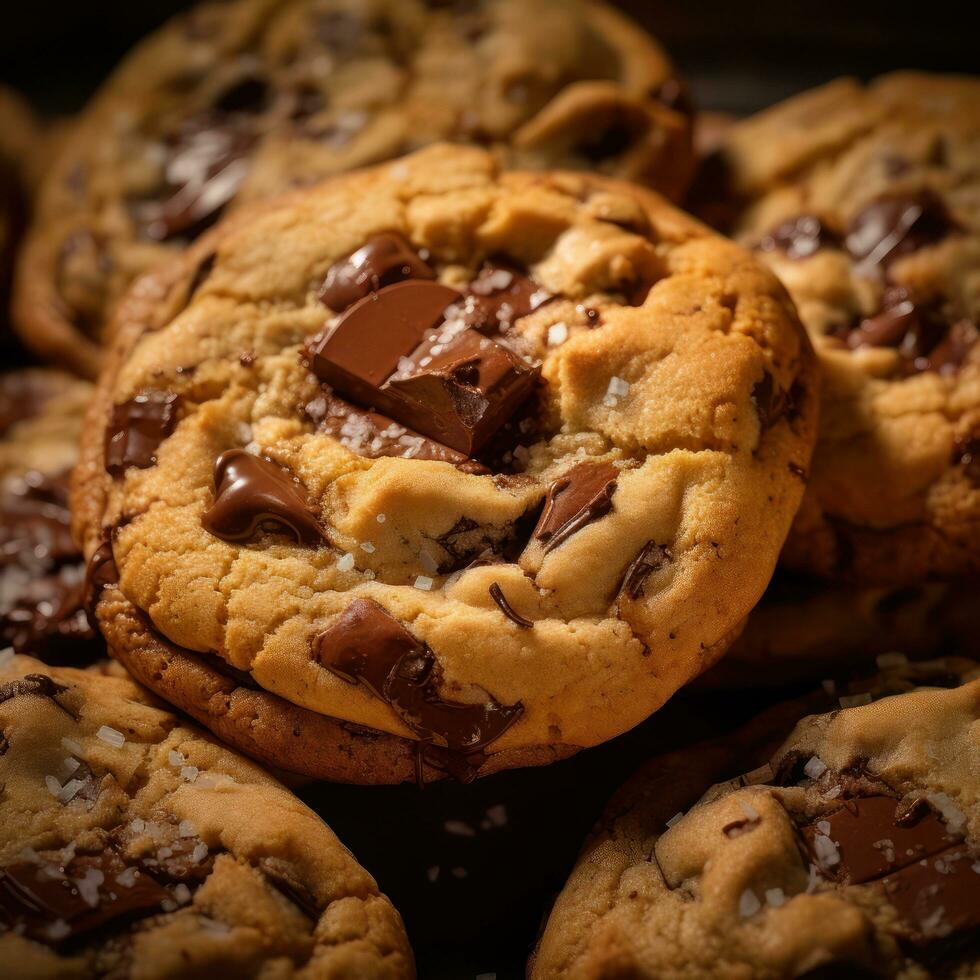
(864, 200)
(237, 101)
(42, 573)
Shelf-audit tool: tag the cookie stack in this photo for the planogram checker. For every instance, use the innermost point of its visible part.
(424, 438)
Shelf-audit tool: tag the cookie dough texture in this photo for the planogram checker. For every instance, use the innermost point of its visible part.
(705, 452)
(739, 886)
(177, 855)
(894, 493)
(238, 101)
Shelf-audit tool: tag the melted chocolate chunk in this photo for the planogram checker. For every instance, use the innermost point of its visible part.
(53, 904)
(581, 496)
(136, 429)
(499, 296)
(651, 558)
(497, 594)
(891, 227)
(383, 261)
(799, 238)
(37, 685)
(252, 492)
(874, 838)
(367, 645)
(772, 403)
(387, 354)
(101, 572)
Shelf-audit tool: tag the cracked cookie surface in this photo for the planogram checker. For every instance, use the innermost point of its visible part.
(864, 201)
(238, 101)
(850, 851)
(132, 845)
(599, 548)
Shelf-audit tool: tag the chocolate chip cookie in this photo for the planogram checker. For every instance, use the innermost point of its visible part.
(132, 845)
(42, 572)
(864, 201)
(851, 851)
(809, 631)
(444, 463)
(237, 101)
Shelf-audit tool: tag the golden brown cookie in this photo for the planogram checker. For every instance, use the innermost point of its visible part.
(850, 851)
(134, 846)
(42, 571)
(237, 101)
(864, 200)
(450, 454)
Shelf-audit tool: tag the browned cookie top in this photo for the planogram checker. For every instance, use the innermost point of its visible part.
(492, 461)
(851, 852)
(237, 101)
(865, 202)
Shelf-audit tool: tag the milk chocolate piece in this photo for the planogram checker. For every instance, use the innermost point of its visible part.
(799, 237)
(48, 906)
(499, 296)
(386, 353)
(873, 838)
(367, 645)
(251, 492)
(136, 429)
(383, 261)
(582, 495)
(891, 227)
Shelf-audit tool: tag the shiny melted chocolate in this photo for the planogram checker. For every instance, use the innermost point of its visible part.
(581, 496)
(367, 645)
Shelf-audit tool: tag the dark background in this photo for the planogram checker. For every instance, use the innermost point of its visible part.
(739, 56)
(494, 882)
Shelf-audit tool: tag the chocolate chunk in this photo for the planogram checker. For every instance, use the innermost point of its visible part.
(951, 352)
(456, 388)
(496, 593)
(581, 496)
(38, 685)
(284, 879)
(52, 905)
(891, 227)
(652, 557)
(136, 429)
(383, 261)
(799, 237)
(873, 838)
(252, 492)
(499, 296)
(772, 403)
(367, 645)
(936, 897)
(101, 572)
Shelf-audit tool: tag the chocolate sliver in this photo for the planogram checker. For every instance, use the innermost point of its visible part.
(651, 557)
(383, 261)
(497, 594)
(799, 237)
(367, 645)
(53, 910)
(938, 896)
(873, 838)
(582, 495)
(137, 428)
(251, 492)
(890, 227)
(461, 392)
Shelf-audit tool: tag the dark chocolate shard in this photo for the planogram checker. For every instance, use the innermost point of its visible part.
(137, 428)
(652, 557)
(799, 237)
(870, 837)
(383, 261)
(893, 226)
(497, 594)
(367, 645)
(53, 906)
(252, 492)
(581, 496)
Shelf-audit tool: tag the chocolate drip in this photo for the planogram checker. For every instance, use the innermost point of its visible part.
(799, 237)
(651, 558)
(383, 261)
(496, 593)
(581, 496)
(367, 645)
(50, 907)
(891, 227)
(252, 492)
(136, 429)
